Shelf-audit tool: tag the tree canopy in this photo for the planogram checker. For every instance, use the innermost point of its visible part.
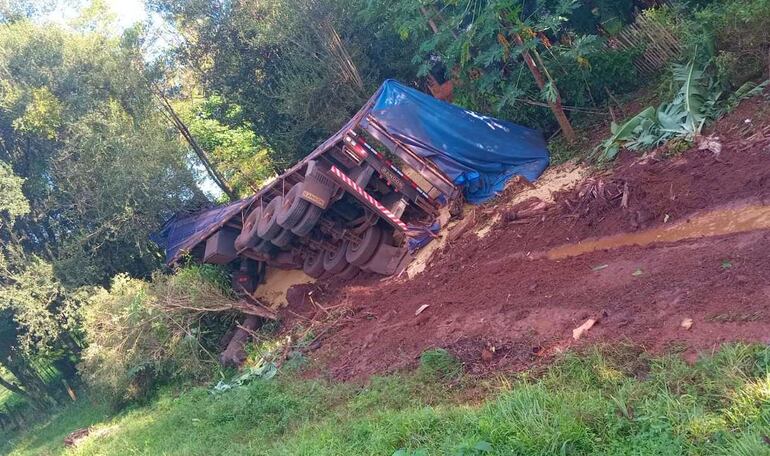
(89, 168)
(297, 69)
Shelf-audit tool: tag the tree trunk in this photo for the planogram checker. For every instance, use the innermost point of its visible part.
(235, 354)
(14, 388)
(36, 390)
(215, 175)
(431, 22)
(556, 106)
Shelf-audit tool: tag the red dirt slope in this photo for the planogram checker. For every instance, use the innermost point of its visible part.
(488, 293)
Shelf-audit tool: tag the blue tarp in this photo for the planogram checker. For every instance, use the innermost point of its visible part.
(183, 232)
(477, 152)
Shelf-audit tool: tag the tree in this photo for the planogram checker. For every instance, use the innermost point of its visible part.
(235, 150)
(527, 61)
(298, 69)
(89, 167)
(102, 169)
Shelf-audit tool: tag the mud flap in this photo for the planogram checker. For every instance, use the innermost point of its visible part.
(386, 260)
(318, 187)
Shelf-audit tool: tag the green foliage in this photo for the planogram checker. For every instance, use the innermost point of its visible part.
(611, 401)
(140, 333)
(737, 33)
(87, 171)
(42, 115)
(562, 151)
(297, 69)
(100, 169)
(42, 311)
(475, 43)
(440, 364)
(698, 101)
(12, 200)
(234, 149)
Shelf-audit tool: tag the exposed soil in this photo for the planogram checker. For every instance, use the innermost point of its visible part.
(493, 295)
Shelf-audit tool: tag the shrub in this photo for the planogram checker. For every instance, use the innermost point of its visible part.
(140, 333)
(737, 34)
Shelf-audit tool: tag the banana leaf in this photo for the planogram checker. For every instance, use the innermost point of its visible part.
(692, 94)
(629, 131)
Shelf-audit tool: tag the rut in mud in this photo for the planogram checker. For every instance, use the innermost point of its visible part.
(687, 239)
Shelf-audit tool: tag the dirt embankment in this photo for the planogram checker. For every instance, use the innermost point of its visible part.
(497, 302)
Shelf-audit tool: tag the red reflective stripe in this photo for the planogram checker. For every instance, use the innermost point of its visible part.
(369, 198)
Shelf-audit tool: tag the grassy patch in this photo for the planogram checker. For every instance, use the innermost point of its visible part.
(439, 364)
(609, 401)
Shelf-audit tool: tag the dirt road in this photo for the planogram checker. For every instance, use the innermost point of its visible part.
(512, 294)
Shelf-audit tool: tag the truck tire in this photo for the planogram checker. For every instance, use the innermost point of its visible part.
(293, 208)
(350, 272)
(314, 264)
(283, 239)
(358, 253)
(334, 261)
(248, 237)
(265, 246)
(268, 227)
(308, 221)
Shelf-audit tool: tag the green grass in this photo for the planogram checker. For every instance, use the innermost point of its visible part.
(611, 402)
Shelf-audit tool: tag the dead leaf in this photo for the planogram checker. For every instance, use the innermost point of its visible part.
(578, 332)
(686, 323)
(422, 307)
(488, 352)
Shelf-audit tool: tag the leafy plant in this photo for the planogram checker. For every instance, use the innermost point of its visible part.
(631, 131)
(140, 333)
(699, 100)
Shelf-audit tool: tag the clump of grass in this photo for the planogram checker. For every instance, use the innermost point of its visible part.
(562, 151)
(439, 364)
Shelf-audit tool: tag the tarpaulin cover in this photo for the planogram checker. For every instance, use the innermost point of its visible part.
(184, 232)
(477, 152)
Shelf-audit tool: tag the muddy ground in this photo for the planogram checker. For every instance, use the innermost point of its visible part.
(499, 303)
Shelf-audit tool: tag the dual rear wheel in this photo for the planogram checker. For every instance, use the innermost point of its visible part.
(347, 257)
(286, 217)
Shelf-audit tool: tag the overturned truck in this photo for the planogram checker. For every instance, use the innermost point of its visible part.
(360, 200)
